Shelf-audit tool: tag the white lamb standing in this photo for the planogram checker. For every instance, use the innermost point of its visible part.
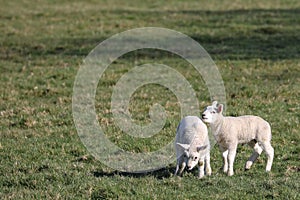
(231, 131)
(192, 146)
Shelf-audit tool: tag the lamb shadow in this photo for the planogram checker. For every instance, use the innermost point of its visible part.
(159, 174)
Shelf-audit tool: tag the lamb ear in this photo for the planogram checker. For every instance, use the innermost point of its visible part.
(184, 146)
(199, 148)
(220, 108)
(214, 104)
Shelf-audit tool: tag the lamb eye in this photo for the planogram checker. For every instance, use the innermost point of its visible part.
(196, 158)
(214, 112)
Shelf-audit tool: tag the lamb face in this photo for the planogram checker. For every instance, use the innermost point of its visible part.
(191, 158)
(211, 113)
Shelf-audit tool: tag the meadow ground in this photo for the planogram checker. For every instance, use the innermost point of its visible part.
(255, 44)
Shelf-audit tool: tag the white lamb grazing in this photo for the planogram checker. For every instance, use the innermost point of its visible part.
(231, 131)
(192, 146)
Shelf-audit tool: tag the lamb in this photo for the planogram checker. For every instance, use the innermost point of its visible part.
(231, 131)
(192, 146)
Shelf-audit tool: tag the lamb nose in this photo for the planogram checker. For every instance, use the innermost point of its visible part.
(203, 115)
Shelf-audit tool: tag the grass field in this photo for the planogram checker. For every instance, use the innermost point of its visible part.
(255, 44)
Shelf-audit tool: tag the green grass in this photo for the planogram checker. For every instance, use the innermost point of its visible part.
(255, 45)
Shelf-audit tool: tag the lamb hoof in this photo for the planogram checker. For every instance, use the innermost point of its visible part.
(225, 169)
(248, 165)
(201, 176)
(268, 169)
(230, 173)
